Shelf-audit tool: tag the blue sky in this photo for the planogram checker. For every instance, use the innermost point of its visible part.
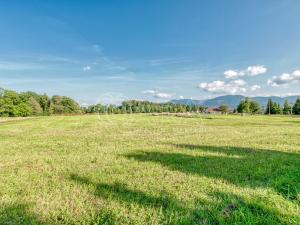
(109, 51)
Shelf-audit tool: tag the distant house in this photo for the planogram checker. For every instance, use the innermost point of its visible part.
(213, 111)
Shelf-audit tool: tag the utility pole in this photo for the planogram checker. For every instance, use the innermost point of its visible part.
(269, 107)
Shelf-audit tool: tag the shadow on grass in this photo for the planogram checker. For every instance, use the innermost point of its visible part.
(225, 209)
(121, 192)
(125, 195)
(17, 214)
(240, 166)
(103, 217)
(232, 209)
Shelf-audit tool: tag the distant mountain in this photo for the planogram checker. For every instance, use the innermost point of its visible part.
(187, 101)
(233, 100)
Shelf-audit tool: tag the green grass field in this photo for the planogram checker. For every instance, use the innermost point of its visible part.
(145, 169)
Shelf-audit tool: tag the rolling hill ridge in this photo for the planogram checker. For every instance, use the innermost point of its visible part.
(233, 100)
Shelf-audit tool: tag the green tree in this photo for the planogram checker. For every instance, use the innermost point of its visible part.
(269, 107)
(224, 109)
(36, 109)
(9, 103)
(23, 109)
(287, 108)
(45, 103)
(273, 108)
(244, 106)
(296, 107)
(248, 106)
(62, 104)
(276, 109)
(255, 107)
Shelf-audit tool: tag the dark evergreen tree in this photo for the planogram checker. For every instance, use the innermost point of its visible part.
(296, 107)
(269, 107)
(276, 109)
(287, 108)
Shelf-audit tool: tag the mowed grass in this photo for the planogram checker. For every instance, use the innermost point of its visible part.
(145, 169)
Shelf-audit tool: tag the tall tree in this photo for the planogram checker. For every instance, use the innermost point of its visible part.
(296, 107)
(276, 109)
(269, 107)
(45, 103)
(287, 108)
(35, 106)
(244, 106)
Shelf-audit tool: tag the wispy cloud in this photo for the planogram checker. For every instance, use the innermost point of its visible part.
(19, 66)
(86, 68)
(149, 92)
(168, 61)
(54, 59)
(37, 62)
(127, 77)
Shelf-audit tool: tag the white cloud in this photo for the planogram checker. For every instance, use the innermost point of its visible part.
(255, 87)
(157, 94)
(285, 79)
(163, 95)
(231, 74)
(149, 92)
(238, 83)
(233, 87)
(250, 71)
(221, 87)
(181, 97)
(255, 70)
(86, 68)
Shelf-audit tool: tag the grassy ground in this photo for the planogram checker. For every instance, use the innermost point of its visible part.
(143, 169)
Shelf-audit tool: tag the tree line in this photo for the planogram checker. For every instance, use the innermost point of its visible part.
(32, 104)
(251, 107)
(134, 106)
(14, 104)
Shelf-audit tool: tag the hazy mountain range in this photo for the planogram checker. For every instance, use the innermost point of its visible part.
(233, 100)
